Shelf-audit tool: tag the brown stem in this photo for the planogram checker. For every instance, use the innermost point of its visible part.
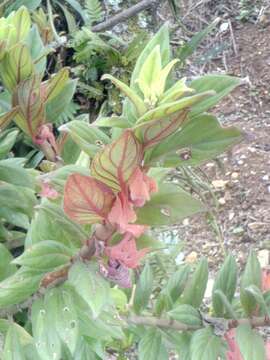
(124, 15)
(101, 233)
(176, 325)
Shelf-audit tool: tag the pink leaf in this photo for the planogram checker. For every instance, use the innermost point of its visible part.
(122, 212)
(126, 252)
(265, 279)
(45, 133)
(234, 351)
(267, 348)
(141, 186)
(48, 191)
(87, 200)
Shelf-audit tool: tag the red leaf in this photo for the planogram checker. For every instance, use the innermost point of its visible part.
(87, 200)
(126, 252)
(155, 131)
(116, 163)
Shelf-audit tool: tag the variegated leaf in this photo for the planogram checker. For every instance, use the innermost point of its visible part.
(6, 118)
(28, 98)
(55, 85)
(174, 107)
(16, 66)
(115, 164)
(153, 132)
(87, 200)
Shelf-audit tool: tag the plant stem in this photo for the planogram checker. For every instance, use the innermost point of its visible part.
(124, 15)
(176, 325)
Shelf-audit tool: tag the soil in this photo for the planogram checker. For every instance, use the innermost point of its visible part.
(242, 183)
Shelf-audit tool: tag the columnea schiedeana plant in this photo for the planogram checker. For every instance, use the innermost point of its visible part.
(88, 282)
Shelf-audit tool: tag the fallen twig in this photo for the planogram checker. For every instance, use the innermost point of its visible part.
(124, 15)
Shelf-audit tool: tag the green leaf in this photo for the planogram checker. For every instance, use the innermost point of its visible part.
(16, 198)
(7, 140)
(181, 342)
(250, 343)
(45, 256)
(168, 206)
(55, 86)
(189, 47)
(252, 276)
(91, 286)
(149, 73)
(22, 22)
(177, 281)
(24, 337)
(38, 51)
(176, 91)
(6, 268)
(207, 346)
(70, 18)
(65, 318)
(106, 327)
(226, 282)
(195, 288)
(77, 7)
(143, 289)
(151, 346)
(186, 314)
(162, 303)
(30, 4)
(201, 138)
(113, 121)
(13, 349)
(161, 38)
(50, 222)
(221, 298)
(131, 94)
(221, 84)
(85, 351)
(13, 173)
(16, 66)
(147, 241)
(257, 294)
(59, 103)
(120, 299)
(47, 341)
(171, 108)
(87, 137)
(18, 287)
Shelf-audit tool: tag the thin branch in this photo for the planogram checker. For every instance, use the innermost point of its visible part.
(176, 325)
(124, 15)
(101, 233)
